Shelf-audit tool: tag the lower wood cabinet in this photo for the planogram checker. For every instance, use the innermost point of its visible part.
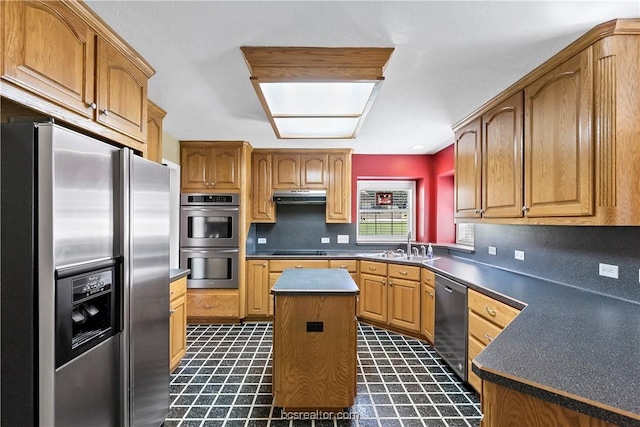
(207, 305)
(177, 322)
(502, 406)
(390, 293)
(486, 319)
(428, 310)
(258, 288)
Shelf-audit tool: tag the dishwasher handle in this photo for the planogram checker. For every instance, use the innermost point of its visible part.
(450, 285)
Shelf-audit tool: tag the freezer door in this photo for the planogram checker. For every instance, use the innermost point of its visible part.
(148, 290)
(85, 178)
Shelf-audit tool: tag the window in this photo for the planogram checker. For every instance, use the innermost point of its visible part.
(465, 234)
(386, 210)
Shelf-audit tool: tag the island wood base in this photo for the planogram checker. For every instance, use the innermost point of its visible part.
(314, 370)
(503, 406)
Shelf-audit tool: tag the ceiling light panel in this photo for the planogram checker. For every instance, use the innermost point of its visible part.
(316, 127)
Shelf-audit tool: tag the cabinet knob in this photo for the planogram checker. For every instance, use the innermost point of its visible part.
(491, 311)
(477, 211)
(390, 282)
(487, 336)
(430, 294)
(105, 112)
(383, 282)
(404, 273)
(482, 211)
(171, 311)
(298, 266)
(330, 215)
(93, 106)
(264, 265)
(525, 209)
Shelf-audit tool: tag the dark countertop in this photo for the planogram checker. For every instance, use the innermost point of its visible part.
(178, 273)
(310, 281)
(569, 346)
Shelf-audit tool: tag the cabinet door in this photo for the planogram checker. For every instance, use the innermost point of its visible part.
(502, 159)
(428, 311)
(258, 288)
(224, 168)
(177, 331)
(263, 206)
(51, 52)
(558, 141)
(286, 171)
(155, 115)
(121, 92)
(468, 168)
(404, 304)
(313, 171)
(339, 189)
(373, 297)
(193, 162)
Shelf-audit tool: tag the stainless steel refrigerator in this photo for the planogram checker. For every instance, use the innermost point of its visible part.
(84, 281)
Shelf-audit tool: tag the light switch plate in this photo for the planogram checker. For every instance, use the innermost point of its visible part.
(519, 255)
(262, 240)
(343, 238)
(325, 240)
(492, 250)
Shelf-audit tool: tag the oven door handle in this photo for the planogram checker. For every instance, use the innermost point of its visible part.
(209, 209)
(204, 251)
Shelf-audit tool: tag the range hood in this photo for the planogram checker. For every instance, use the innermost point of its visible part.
(299, 197)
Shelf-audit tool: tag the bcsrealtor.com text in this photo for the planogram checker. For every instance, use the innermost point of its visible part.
(318, 415)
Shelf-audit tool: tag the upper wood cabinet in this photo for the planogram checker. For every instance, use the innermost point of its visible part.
(293, 171)
(300, 169)
(559, 146)
(210, 165)
(121, 92)
(339, 188)
(264, 210)
(51, 52)
(502, 159)
(155, 116)
(468, 175)
(62, 60)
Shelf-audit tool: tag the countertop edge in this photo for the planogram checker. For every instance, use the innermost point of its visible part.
(178, 273)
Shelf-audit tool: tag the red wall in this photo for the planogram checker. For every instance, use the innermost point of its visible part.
(401, 167)
(434, 190)
(443, 169)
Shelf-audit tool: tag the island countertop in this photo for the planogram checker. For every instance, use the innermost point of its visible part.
(310, 281)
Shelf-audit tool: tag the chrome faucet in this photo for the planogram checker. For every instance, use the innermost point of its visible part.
(414, 251)
(408, 242)
(423, 251)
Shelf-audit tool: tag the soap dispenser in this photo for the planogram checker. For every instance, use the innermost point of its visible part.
(429, 252)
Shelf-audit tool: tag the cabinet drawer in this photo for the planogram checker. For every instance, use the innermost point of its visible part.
(218, 303)
(490, 309)
(370, 267)
(481, 329)
(428, 277)
(351, 265)
(177, 288)
(279, 265)
(404, 272)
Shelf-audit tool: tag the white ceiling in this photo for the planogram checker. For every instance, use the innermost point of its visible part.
(450, 58)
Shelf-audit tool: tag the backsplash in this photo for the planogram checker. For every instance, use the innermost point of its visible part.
(565, 254)
(302, 227)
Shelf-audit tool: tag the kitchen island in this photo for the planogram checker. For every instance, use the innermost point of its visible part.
(314, 339)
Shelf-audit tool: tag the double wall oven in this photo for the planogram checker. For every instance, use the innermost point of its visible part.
(209, 225)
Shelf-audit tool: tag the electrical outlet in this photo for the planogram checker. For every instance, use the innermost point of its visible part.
(492, 250)
(325, 240)
(343, 238)
(519, 255)
(262, 240)
(608, 270)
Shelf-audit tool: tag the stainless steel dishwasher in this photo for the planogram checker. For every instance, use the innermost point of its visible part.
(450, 339)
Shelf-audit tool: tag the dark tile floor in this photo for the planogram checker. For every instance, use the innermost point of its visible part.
(225, 380)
